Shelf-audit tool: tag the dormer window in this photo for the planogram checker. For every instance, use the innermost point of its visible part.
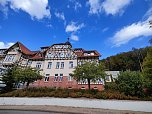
(85, 54)
(38, 65)
(92, 53)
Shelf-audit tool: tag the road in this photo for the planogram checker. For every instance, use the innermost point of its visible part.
(27, 112)
(45, 109)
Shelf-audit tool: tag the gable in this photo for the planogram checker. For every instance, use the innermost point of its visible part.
(19, 47)
(60, 52)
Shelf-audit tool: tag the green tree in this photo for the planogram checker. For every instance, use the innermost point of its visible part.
(130, 83)
(147, 65)
(8, 78)
(27, 75)
(20, 75)
(90, 71)
(131, 60)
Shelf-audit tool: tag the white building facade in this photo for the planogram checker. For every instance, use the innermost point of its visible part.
(54, 62)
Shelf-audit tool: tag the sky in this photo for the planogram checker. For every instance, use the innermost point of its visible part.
(108, 26)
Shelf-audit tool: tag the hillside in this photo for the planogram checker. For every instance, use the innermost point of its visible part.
(131, 60)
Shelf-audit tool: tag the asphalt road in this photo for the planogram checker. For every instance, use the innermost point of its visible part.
(26, 112)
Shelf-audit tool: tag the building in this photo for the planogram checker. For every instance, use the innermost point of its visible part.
(111, 75)
(54, 62)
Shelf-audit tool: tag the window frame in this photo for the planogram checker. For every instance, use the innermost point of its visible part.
(62, 65)
(47, 77)
(71, 64)
(61, 77)
(57, 65)
(70, 78)
(55, 77)
(49, 66)
(38, 65)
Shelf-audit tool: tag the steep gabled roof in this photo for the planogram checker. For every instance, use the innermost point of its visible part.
(23, 48)
(38, 55)
(81, 53)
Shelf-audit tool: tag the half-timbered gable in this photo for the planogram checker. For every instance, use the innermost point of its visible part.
(62, 51)
(60, 59)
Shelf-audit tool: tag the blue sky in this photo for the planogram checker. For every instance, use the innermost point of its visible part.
(108, 26)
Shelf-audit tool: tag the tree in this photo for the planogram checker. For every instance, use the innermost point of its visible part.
(16, 75)
(130, 83)
(8, 78)
(90, 71)
(131, 60)
(139, 56)
(147, 65)
(26, 75)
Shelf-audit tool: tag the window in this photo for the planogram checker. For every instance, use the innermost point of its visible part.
(9, 58)
(108, 78)
(71, 64)
(70, 78)
(56, 77)
(57, 65)
(46, 79)
(95, 88)
(49, 65)
(100, 81)
(61, 77)
(29, 62)
(69, 87)
(38, 65)
(82, 87)
(62, 65)
(92, 53)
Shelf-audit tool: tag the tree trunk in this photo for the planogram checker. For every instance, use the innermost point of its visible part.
(88, 84)
(27, 84)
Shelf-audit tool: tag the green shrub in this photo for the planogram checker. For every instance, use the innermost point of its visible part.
(111, 86)
(130, 83)
(74, 93)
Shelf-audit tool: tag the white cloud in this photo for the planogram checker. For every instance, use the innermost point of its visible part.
(5, 45)
(73, 27)
(4, 7)
(148, 14)
(135, 30)
(35, 8)
(60, 15)
(77, 5)
(74, 37)
(112, 7)
(95, 6)
(115, 6)
(3, 2)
